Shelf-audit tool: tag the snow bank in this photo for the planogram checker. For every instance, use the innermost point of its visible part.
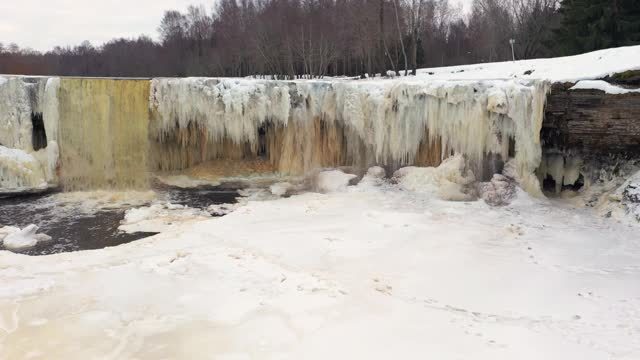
(593, 65)
(449, 181)
(15, 239)
(346, 275)
(602, 86)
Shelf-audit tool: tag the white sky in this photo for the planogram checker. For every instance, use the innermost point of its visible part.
(43, 24)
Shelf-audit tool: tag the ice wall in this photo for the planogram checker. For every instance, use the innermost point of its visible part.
(102, 132)
(19, 99)
(110, 133)
(307, 124)
(23, 104)
(20, 171)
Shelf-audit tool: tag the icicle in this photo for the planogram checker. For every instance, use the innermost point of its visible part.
(315, 124)
(19, 170)
(21, 100)
(50, 111)
(15, 114)
(111, 132)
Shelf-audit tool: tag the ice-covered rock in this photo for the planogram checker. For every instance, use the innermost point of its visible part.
(375, 177)
(332, 181)
(449, 181)
(16, 239)
(7, 230)
(223, 209)
(160, 217)
(281, 188)
(629, 194)
(501, 190)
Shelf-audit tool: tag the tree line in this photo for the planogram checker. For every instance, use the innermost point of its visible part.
(316, 38)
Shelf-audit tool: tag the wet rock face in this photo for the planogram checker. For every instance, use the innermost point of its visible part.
(39, 135)
(631, 196)
(591, 122)
(627, 78)
(632, 192)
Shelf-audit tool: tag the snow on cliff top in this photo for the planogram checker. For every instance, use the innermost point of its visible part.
(593, 65)
(588, 66)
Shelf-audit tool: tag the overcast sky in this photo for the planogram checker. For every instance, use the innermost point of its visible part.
(43, 24)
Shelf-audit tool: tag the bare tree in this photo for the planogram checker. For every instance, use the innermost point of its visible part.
(307, 38)
(404, 53)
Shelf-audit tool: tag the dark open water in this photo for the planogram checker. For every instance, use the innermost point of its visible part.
(73, 228)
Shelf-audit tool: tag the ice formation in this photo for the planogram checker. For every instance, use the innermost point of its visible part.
(109, 133)
(374, 177)
(563, 169)
(501, 190)
(16, 239)
(160, 217)
(332, 180)
(27, 161)
(15, 113)
(303, 125)
(280, 189)
(20, 170)
(7, 230)
(449, 181)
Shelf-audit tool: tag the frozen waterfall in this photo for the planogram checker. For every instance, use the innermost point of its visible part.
(111, 133)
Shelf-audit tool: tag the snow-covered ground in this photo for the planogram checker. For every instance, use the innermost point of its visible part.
(602, 86)
(373, 271)
(386, 269)
(588, 66)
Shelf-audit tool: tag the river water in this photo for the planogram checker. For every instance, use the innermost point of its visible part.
(91, 222)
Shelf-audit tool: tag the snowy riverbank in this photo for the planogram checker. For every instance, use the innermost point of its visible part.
(372, 271)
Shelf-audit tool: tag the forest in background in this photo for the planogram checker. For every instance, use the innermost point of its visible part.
(316, 38)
